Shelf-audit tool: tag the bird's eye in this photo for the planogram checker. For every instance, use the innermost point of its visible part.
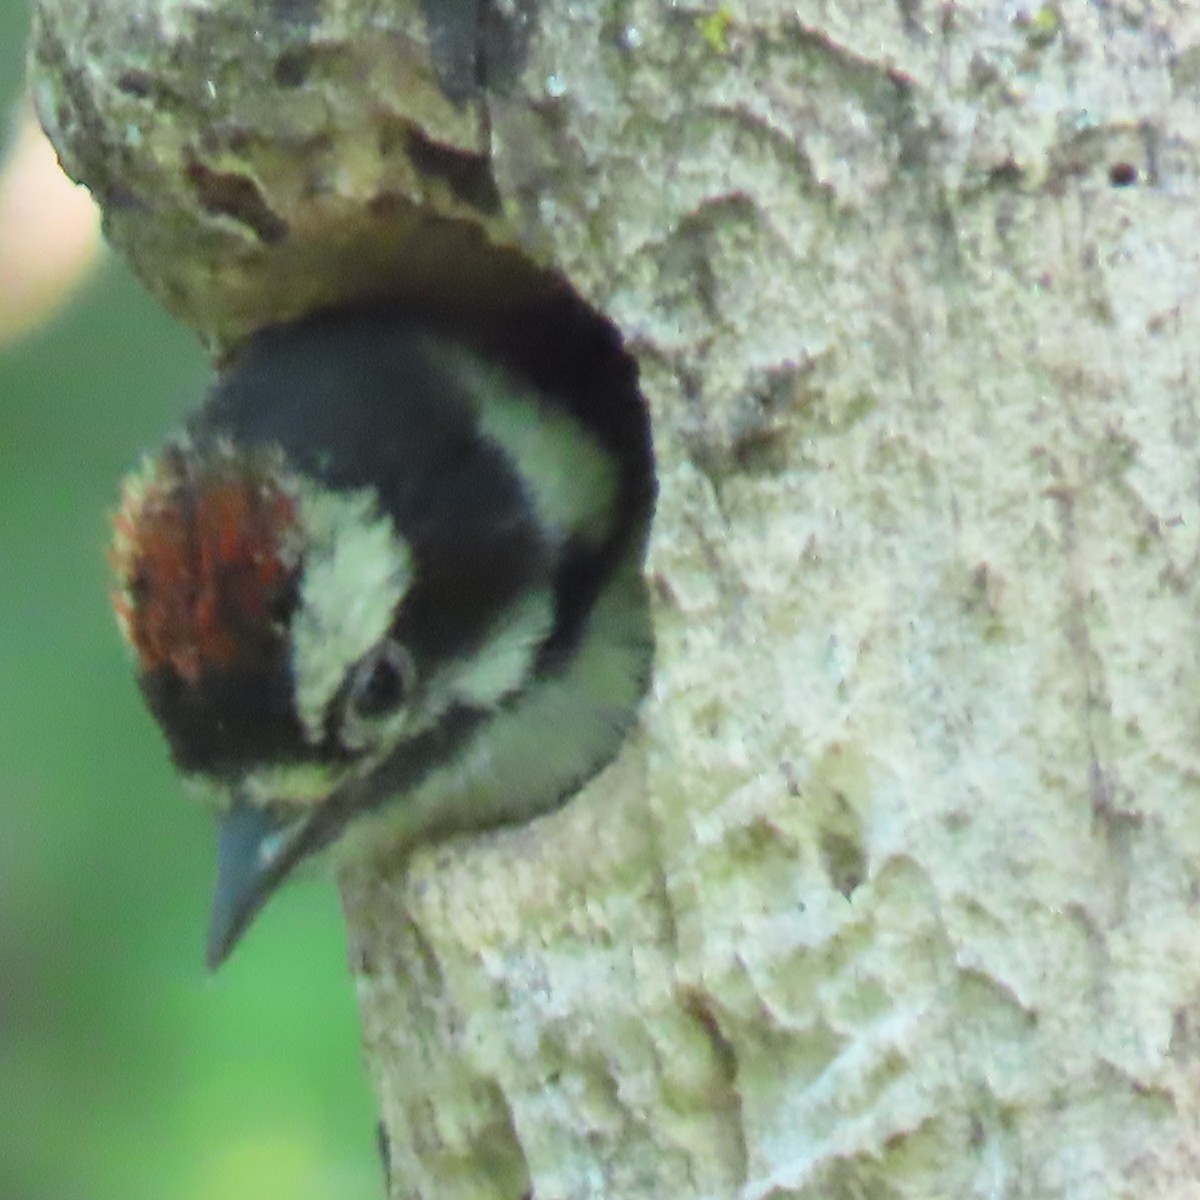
(382, 681)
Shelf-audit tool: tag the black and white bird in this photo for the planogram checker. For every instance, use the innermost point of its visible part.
(388, 583)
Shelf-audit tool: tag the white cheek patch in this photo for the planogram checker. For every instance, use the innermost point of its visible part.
(357, 569)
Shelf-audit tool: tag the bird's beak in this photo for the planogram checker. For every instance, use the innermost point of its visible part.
(255, 851)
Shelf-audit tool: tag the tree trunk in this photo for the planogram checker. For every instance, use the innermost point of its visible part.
(894, 893)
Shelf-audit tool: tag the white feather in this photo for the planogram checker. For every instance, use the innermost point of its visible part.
(357, 568)
(569, 477)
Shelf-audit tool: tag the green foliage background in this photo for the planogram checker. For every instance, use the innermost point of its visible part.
(125, 1070)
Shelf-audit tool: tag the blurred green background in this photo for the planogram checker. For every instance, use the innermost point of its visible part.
(125, 1070)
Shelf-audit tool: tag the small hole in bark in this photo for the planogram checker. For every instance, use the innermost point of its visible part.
(1122, 174)
(136, 83)
(469, 176)
(238, 197)
(844, 861)
(1005, 174)
(141, 85)
(292, 68)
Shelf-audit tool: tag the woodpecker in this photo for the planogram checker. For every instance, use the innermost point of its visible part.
(386, 583)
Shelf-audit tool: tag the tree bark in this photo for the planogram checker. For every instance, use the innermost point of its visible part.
(895, 892)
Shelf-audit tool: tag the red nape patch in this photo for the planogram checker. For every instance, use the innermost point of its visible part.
(205, 562)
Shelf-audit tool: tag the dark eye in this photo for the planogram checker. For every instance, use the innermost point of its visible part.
(383, 680)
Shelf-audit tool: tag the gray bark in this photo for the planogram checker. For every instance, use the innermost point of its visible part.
(895, 892)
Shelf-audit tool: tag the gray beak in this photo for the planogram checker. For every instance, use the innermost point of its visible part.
(255, 851)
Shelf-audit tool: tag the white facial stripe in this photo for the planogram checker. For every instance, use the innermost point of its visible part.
(357, 569)
(499, 667)
(301, 784)
(567, 474)
(503, 663)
